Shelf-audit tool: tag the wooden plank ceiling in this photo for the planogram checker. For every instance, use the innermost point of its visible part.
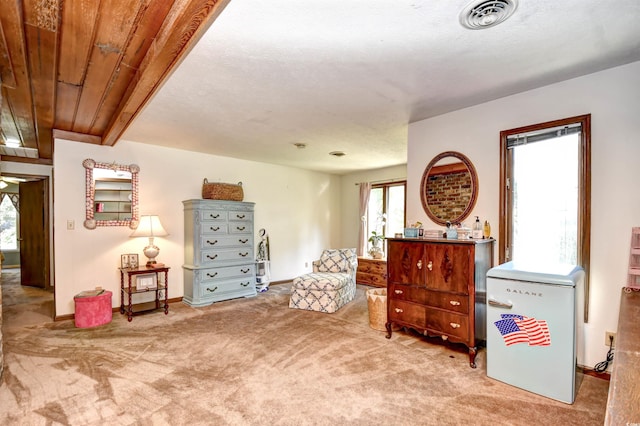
(83, 69)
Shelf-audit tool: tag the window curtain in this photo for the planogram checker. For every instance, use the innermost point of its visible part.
(365, 189)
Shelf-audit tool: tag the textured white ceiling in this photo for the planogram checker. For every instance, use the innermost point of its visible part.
(349, 75)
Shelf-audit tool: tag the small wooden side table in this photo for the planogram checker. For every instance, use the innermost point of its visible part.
(372, 272)
(147, 279)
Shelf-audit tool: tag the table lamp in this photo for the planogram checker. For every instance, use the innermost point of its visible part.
(150, 226)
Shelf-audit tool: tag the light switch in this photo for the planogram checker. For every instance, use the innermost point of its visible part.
(71, 225)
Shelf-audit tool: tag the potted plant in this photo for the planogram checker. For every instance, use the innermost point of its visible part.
(376, 251)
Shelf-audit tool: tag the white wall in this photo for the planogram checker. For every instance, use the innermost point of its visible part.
(351, 197)
(612, 97)
(299, 209)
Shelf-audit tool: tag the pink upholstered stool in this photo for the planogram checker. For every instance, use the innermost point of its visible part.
(93, 311)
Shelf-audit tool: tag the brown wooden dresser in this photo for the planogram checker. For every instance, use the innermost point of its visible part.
(372, 272)
(438, 287)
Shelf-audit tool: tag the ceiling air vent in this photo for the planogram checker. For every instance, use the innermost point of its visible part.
(482, 14)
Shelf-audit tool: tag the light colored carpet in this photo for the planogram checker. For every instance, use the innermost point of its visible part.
(256, 362)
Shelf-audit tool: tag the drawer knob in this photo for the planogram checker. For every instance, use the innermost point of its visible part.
(212, 243)
(212, 275)
(214, 228)
(419, 264)
(244, 271)
(214, 216)
(240, 216)
(399, 292)
(212, 257)
(245, 284)
(430, 266)
(454, 302)
(240, 228)
(398, 310)
(454, 325)
(243, 254)
(212, 289)
(244, 241)
(444, 337)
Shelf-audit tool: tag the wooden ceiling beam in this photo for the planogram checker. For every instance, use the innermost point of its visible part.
(43, 161)
(18, 98)
(7, 77)
(67, 96)
(151, 20)
(78, 137)
(41, 35)
(117, 21)
(83, 69)
(7, 119)
(184, 26)
(77, 33)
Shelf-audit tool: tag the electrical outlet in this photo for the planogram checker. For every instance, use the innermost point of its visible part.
(608, 335)
(306, 264)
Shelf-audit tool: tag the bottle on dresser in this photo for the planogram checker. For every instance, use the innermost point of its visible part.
(477, 229)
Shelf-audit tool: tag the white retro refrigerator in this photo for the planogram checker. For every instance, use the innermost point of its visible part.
(534, 327)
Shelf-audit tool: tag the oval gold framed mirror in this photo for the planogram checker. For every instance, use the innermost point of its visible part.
(449, 188)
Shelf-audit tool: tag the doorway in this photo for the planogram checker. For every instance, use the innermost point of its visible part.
(26, 243)
(24, 305)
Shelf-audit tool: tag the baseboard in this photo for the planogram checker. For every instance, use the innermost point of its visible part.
(173, 300)
(114, 310)
(591, 372)
(281, 282)
(64, 317)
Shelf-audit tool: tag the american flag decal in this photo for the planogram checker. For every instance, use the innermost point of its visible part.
(521, 329)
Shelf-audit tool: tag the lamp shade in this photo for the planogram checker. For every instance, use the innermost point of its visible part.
(149, 226)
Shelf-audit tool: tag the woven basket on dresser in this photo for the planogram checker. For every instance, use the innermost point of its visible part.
(222, 191)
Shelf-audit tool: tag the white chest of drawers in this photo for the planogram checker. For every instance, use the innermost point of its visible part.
(218, 254)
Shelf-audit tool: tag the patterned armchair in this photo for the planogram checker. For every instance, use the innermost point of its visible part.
(331, 285)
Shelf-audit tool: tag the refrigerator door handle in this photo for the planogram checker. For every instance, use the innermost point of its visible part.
(505, 305)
